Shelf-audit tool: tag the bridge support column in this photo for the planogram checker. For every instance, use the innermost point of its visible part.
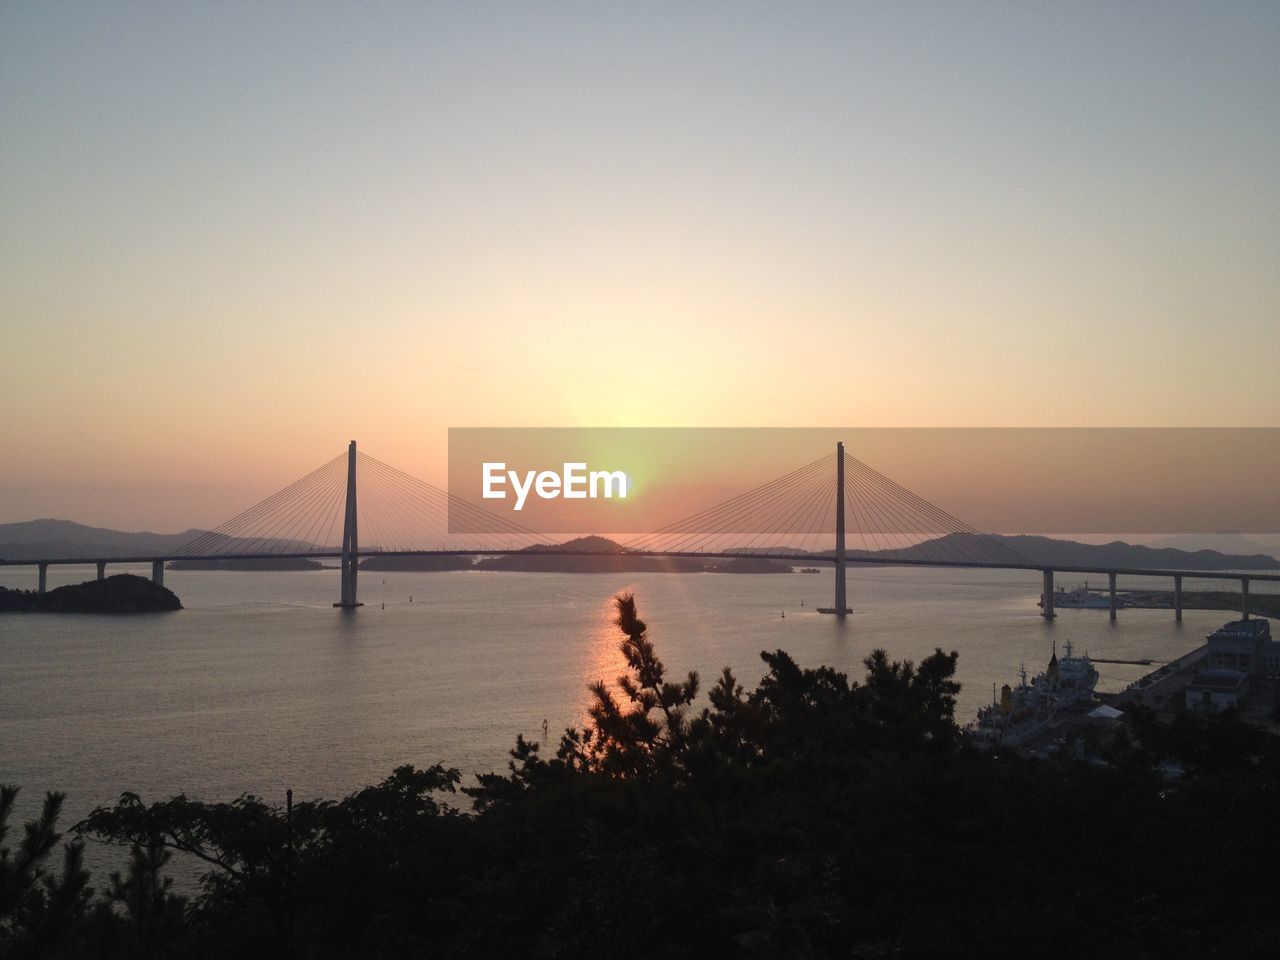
(1046, 602)
(1112, 578)
(350, 540)
(44, 576)
(841, 608)
(842, 601)
(1177, 599)
(157, 572)
(1244, 598)
(102, 569)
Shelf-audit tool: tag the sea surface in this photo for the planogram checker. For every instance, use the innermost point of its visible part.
(259, 685)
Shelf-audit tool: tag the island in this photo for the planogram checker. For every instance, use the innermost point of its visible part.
(122, 593)
(1260, 604)
(251, 564)
(750, 565)
(601, 555)
(428, 564)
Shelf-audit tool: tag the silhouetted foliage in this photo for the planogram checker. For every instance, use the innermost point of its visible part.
(40, 912)
(811, 816)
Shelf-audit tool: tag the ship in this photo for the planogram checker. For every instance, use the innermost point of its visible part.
(1080, 597)
(1020, 714)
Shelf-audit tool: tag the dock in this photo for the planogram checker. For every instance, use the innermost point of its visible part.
(1155, 688)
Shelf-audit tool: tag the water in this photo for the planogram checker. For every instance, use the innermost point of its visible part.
(259, 685)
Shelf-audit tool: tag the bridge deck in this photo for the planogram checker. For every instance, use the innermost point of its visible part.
(746, 555)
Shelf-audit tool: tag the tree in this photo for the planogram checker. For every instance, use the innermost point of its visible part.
(39, 911)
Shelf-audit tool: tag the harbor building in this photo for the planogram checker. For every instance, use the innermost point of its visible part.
(1213, 691)
(1244, 646)
(1237, 654)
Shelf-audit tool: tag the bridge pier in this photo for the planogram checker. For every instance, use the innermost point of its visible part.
(841, 608)
(44, 576)
(102, 569)
(1244, 598)
(350, 540)
(1112, 578)
(1046, 602)
(157, 572)
(1177, 599)
(842, 602)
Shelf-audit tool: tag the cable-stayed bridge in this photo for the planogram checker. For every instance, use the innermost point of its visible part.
(834, 510)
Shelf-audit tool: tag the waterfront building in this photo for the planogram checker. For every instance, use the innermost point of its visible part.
(1212, 691)
(1244, 646)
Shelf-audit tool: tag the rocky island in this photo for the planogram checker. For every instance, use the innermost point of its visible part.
(122, 593)
(428, 564)
(252, 563)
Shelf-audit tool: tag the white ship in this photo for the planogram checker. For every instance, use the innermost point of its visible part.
(1070, 679)
(1080, 597)
(1022, 713)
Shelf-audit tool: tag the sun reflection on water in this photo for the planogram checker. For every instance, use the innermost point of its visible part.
(604, 659)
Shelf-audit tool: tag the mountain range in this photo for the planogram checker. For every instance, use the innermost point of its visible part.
(65, 539)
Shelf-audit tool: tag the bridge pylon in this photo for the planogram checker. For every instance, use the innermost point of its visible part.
(350, 539)
(841, 608)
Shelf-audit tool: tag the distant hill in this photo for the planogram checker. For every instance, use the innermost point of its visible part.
(591, 544)
(547, 562)
(1229, 543)
(64, 539)
(778, 551)
(264, 563)
(587, 555)
(1069, 553)
(601, 555)
(1117, 553)
(751, 565)
(37, 539)
(415, 564)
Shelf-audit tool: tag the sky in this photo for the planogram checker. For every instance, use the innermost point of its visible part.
(235, 236)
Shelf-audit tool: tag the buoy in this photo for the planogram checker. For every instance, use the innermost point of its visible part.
(784, 614)
(384, 606)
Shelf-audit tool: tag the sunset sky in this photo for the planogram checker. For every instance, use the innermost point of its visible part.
(235, 236)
